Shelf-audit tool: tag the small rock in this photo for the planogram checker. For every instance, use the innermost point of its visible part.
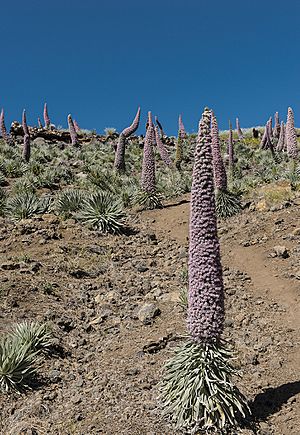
(281, 251)
(147, 312)
(296, 232)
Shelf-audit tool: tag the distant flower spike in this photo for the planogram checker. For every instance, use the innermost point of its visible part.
(179, 145)
(26, 147)
(73, 134)
(281, 140)
(181, 128)
(270, 128)
(218, 164)
(40, 123)
(148, 167)
(119, 163)
(46, 117)
(162, 149)
(291, 136)
(276, 131)
(24, 123)
(230, 147)
(160, 127)
(238, 128)
(76, 126)
(6, 137)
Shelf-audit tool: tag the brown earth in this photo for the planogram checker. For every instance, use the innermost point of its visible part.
(102, 375)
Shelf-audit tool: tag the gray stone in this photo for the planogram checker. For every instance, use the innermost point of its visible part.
(281, 251)
(147, 312)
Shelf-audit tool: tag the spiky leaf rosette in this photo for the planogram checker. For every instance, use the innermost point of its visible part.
(148, 200)
(68, 202)
(35, 335)
(220, 176)
(291, 136)
(119, 163)
(227, 204)
(25, 205)
(16, 365)
(197, 392)
(103, 212)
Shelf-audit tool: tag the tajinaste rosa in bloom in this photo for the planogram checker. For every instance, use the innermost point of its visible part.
(179, 145)
(161, 148)
(238, 128)
(206, 293)
(46, 117)
(227, 203)
(230, 150)
(24, 123)
(160, 127)
(197, 392)
(281, 140)
(291, 135)
(40, 123)
(76, 126)
(276, 131)
(73, 134)
(6, 137)
(119, 163)
(220, 176)
(148, 166)
(26, 147)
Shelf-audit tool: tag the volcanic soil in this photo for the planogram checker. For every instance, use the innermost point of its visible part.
(113, 305)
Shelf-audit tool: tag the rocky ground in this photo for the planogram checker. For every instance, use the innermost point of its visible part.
(113, 304)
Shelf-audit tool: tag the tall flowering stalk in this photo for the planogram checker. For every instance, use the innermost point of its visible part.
(73, 134)
(148, 167)
(206, 293)
(281, 140)
(218, 164)
(160, 127)
(230, 147)
(291, 136)
(179, 145)
(24, 123)
(76, 126)
(227, 203)
(197, 392)
(46, 117)
(6, 137)
(40, 123)
(148, 197)
(26, 148)
(270, 127)
(238, 128)
(161, 148)
(276, 131)
(264, 144)
(119, 163)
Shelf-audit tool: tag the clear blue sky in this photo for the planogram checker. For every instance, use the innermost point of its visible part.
(99, 60)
